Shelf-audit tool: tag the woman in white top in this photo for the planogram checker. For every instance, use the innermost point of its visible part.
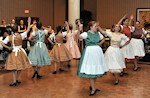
(113, 55)
(137, 43)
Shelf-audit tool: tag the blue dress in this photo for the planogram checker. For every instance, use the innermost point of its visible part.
(39, 55)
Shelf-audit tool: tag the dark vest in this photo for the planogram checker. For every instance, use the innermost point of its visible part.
(137, 33)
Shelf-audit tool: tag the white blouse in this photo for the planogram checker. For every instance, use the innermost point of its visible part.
(84, 35)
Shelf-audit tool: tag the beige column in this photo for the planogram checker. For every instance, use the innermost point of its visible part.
(73, 11)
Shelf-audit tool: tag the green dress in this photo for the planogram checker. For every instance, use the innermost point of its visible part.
(92, 63)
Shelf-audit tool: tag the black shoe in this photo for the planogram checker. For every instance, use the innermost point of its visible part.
(68, 65)
(35, 73)
(98, 90)
(91, 89)
(116, 83)
(13, 84)
(136, 68)
(18, 82)
(123, 73)
(61, 70)
(54, 72)
(91, 94)
(39, 77)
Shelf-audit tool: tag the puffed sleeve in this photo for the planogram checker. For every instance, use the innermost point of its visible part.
(109, 34)
(45, 31)
(6, 40)
(101, 36)
(132, 28)
(64, 33)
(84, 35)
(121, 27)
(144, 31)
(23, 35)
(123, 37)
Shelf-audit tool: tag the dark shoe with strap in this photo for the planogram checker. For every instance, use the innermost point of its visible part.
(61, 70)
(91, 88)
(54, 72)
(18, 82)
(136, 68)
(39, 77)
(93, 92)
(34, 74)
(116, 82)
(13, 84)
(123, 73)
(68, 66)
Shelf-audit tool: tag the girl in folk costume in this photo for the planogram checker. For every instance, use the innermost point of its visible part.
(137, 43)
(59, 53)
(17, 59)
(92, 63)
(38, 55)
(71, 43)
(113, 55)
(127, 50)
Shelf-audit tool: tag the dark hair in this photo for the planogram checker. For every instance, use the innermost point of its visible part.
(58, 29)
(34, 20)
(77, 20)
(91, 23)
(124, 20)
(119, 29)
(39, 25)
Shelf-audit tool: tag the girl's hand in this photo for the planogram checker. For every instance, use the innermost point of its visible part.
(29, 19)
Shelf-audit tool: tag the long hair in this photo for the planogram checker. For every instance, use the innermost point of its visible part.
(58, 29)
(123, 20)
(39, 25)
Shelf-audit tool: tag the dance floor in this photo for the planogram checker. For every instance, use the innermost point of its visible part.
(68, 85)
